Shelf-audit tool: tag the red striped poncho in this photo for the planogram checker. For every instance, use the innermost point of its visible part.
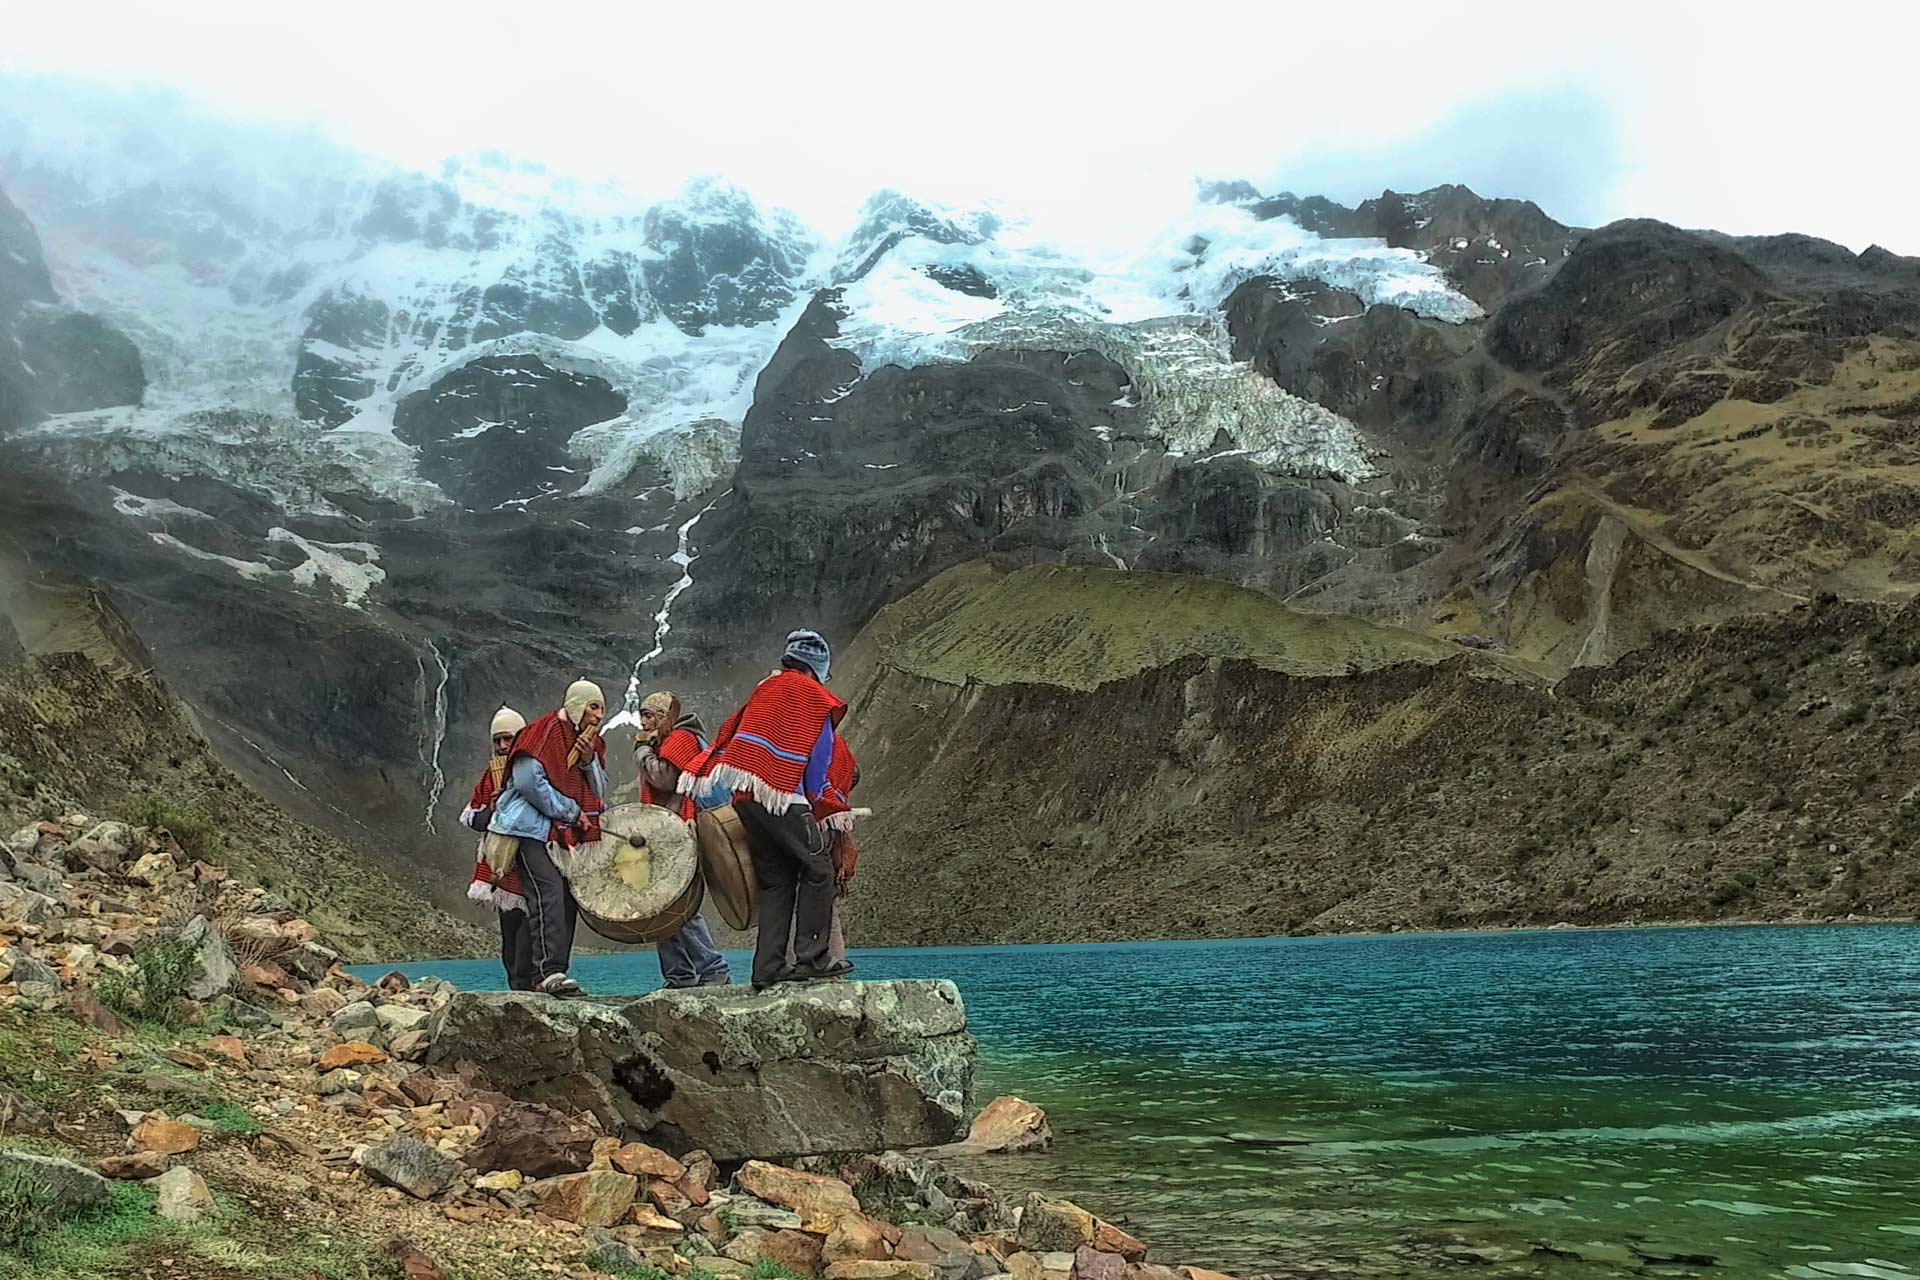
(503, 894)
(762, 749)
(548, 740)
(833, 807)
(682, 750)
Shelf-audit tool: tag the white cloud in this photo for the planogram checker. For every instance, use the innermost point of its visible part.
(1099, 116)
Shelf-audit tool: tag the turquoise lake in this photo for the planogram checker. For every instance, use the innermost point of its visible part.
(1559, 1103)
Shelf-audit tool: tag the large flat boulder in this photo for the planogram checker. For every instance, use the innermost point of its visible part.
(797, 1070)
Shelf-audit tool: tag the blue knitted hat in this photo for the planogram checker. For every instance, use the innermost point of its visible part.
(810, 649)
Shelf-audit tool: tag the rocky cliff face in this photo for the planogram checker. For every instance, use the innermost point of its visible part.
(363, 454)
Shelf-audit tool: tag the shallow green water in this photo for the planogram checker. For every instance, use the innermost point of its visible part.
(1560, 1103)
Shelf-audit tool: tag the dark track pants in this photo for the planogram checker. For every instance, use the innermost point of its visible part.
(551, 911)
(795, 872)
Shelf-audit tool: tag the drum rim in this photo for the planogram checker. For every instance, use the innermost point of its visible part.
(670, 920)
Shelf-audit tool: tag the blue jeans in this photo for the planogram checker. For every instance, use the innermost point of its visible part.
(689, 957)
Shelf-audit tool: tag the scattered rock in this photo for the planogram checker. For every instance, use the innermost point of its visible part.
(794, 1250)
(502, 1180)
(951, 1257)
(265, 974)
(394, 983)
(183, 1195)
(1006, 1125)
(138, 1167)
(745, 1211)
(20, 1114)
(1054, 1226)
(1108, 1238)
(1201, 1273)
(310, 961)
(153, 870)
(537, 1140)
(414, 1264)
(820, 1201)
(397, 1018)
(354, 1053)
(232, 1048)
(858, 1237)
(215, 970)
(94, 1014)
(1040, 1266)
(600, 1198)
(409, 1046)
(321, 1002)
(648, 1218)
(1091, 1264)
(411, 1165)
(640, 1159)
(21, 905)
(889, 1269)
(354, 1020)
(168, 1137)
(666, 1197)
(345, 1080)
(75, 1189)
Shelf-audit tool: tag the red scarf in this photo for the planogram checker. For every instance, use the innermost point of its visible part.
(548, 740)
(681, 749)
(505, 893)
(832, 807)
(762, 749)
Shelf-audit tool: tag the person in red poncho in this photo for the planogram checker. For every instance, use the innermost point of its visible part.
(669, 742)
(773, 754)
(556, 776)
(501, 893)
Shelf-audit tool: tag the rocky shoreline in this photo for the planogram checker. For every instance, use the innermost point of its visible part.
(191, 1084)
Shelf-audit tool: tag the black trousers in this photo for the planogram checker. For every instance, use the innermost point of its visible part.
(516, 950)
(795, 872)
(551, 912)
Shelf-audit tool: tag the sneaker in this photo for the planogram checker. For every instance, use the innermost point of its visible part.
(561, 986)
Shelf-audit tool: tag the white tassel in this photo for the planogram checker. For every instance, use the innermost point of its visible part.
(772, 800)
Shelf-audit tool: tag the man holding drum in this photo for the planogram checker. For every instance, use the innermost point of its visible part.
(556, 776)
(773, 754)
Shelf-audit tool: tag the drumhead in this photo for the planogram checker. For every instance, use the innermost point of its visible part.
(640, 869)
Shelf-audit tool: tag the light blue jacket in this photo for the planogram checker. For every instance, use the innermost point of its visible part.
(529, 805)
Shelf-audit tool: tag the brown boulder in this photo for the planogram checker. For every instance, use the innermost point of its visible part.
(857, 1237)
(795, 1250)
(265, 974)
(354, 1053)
(137, 1167)
(1054, 1226)
(666, 1197)
(413, 1263)
(1091, 1264)
(1007, 1124)
(640, 1159)
(819, 1200)
(232, 1048)
(1201, 1273)
(701, 1178)
(94, 1014)
(536, 1140)
(168, 1137)
(599, 1198)
(1108, 1238)
(648, 1218)
(890, 1269)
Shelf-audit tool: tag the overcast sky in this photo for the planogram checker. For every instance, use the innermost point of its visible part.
(1748, 117)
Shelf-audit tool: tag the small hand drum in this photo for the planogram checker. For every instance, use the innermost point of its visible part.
(640, 882)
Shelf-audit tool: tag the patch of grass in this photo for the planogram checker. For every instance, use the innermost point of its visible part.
(83, 1248)
(187, 823)
(768, 1269)
(22, 1071)
(606, 1260)
(26, 1211)
(156, 989)
(230, 1118)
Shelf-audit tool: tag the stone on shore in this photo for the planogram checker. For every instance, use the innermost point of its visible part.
(796, 1070)
(167, 1137)
(1054, 1226)
(819, 1200)
(538, 1141)
(138, 1167)
(1005, 1125)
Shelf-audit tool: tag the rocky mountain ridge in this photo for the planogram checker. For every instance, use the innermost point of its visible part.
(447, 442)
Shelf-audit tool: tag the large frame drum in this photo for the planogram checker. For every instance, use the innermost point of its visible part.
(641, 881)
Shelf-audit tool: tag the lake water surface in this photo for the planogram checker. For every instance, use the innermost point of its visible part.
(1564, 1103)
